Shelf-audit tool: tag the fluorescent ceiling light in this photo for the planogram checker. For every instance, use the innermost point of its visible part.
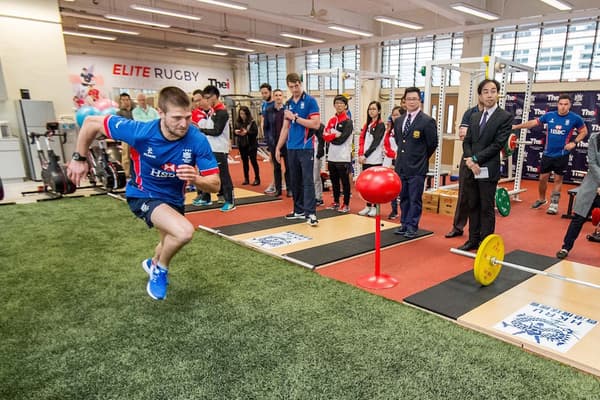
(228, 4)
(104, 29)
(561, 5)
(226, 46)
(269, 42)
(301, 37)
(351, 30)
(164, 12)
(89, 35)
(467, 9)
(399, 22)
(214, 53)
(136, 21)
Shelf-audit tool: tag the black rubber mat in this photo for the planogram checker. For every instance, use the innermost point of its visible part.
(254, 226)
(331, 252)
(461, 294)
(238, 202)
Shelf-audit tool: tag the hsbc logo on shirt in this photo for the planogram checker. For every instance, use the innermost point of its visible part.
(158, 173)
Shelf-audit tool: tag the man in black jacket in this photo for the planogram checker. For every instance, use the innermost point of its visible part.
(487, 133)
(416, 135)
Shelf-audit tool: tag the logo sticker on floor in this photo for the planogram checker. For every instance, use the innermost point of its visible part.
(547, 326)
(277, 240)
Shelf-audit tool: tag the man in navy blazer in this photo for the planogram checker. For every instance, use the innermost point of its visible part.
(416, 135)
(488, 131)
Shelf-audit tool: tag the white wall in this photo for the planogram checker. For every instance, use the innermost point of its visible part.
(34, 58)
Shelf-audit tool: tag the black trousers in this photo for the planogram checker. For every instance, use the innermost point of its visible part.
(248, 154)
(461, 215)
(340, 172)
(277, 175)
(226, 184)
(480, 202)
(576, 225)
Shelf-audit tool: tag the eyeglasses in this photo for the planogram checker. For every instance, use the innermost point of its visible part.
(412, 99)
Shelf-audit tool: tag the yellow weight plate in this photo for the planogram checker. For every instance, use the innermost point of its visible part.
(484, 270)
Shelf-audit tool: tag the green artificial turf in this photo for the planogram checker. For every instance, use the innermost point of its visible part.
(76, 323)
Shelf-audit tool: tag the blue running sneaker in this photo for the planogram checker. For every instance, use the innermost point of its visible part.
(228, 207)
(201, 203)
(158, 282)
(147, 265)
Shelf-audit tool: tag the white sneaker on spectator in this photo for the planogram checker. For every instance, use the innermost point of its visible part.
(372, 212)
(364, 211)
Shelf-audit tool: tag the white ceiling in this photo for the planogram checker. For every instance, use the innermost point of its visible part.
(265, 19)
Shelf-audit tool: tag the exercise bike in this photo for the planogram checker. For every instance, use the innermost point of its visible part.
(105, 170)
(54, 174)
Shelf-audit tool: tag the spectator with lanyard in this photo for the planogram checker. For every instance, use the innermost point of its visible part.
(370, 146)
(166, 153)
(338, 133)
(301, 118)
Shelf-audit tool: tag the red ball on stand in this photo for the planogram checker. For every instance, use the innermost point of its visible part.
(378, 185)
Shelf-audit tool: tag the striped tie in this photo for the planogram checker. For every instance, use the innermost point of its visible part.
(406, 125)
(483, 121)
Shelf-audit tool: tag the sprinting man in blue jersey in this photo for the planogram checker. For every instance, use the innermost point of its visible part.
(560, 126)
(165, 154)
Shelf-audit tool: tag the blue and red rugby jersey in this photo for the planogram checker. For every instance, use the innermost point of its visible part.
(154, 159)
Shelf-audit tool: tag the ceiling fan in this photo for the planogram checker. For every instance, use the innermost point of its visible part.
(319, 14)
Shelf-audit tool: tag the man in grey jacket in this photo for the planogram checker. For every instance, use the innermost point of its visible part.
(587, 197)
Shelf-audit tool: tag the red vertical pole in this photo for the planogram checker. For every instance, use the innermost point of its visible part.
(378, 243)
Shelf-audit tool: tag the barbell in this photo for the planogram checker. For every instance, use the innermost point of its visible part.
(511, 145)
(489, 260)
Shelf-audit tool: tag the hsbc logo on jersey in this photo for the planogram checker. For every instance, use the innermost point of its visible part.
(166, 170)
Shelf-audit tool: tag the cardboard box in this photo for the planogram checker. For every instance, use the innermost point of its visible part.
(448, 202)
(431, 201)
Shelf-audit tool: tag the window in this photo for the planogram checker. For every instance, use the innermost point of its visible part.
(404, 58)
(266, 68)
(347, 57)
(564, 50)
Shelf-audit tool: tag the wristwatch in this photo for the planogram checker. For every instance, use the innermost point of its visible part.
(78, 157)
(295, 117)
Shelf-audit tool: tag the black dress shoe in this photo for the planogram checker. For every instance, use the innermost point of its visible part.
(245, 182)
(468, 246)
(453, 233)
(256, 182)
